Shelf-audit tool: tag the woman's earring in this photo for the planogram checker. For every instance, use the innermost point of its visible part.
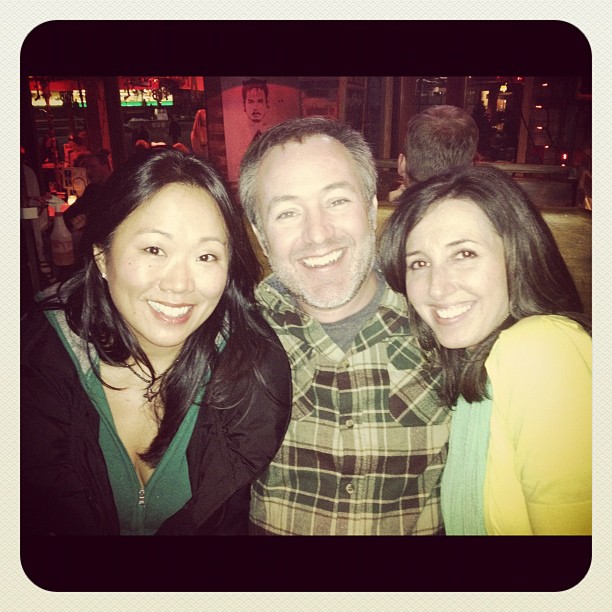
(103, 275)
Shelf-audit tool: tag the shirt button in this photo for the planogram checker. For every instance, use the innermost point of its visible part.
(350, 423)
(350, 489)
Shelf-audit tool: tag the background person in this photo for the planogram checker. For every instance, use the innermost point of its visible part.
(98, 168)
(153, 392)
(32, 198)
(492, 302)
(368, 437)
(174, 130)
(437, 139)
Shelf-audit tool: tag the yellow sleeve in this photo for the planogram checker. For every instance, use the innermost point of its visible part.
(540, 373)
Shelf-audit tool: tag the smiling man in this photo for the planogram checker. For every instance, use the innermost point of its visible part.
(367, 441)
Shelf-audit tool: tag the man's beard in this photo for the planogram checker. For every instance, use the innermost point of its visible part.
(328, 297)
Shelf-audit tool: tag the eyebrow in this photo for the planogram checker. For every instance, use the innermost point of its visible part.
(338, 185)
(170, 236)
(450, 244)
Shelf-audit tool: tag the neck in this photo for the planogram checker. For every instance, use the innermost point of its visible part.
(161, 358)
(362, 298)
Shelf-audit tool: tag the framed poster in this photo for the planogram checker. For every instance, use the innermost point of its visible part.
(251, 105)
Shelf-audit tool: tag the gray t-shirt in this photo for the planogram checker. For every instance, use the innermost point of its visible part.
(343, 332)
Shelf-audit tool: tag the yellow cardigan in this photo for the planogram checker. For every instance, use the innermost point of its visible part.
(539, 464)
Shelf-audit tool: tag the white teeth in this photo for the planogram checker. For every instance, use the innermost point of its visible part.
(170, 311)
(325, 260)
(453, 311)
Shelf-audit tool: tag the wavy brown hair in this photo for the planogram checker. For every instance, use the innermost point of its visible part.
(538, 279)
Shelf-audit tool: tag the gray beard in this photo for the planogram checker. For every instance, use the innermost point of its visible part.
(360, 271)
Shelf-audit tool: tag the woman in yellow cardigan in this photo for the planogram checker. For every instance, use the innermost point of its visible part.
(493, 304)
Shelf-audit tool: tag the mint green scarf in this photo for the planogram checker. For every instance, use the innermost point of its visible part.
(462, 495)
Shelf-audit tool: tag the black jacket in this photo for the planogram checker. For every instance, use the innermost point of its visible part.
(64, 483)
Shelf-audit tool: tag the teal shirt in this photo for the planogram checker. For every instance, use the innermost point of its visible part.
(141, 511)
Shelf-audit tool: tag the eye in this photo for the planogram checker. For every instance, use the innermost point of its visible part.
(466, 254)
(338, 202)
(287, 214)
(416, 264)
(208, 257)
(153, 250)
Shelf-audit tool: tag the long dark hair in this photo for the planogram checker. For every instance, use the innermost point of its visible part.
(538, 279)
(93, 316)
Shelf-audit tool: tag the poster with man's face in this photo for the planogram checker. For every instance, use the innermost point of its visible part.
(251, 105)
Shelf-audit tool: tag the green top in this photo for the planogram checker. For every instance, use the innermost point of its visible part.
(464, 474)
(140, 511)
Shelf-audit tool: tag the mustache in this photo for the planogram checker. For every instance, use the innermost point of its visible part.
(316, 250)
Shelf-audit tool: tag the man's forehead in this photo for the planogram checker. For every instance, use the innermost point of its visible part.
(313, 140)
(302, 156)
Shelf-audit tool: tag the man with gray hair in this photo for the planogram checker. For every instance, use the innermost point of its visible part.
(368, 438)
(437, 139)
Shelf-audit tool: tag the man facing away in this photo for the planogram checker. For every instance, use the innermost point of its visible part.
(437, 139)
(367, 440)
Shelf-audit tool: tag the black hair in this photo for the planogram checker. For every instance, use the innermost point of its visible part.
(236, 320)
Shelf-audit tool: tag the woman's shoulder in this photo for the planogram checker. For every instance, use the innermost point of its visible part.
(539, 338)
(40, 342)
(254, 353)
(273, 360)
(265, 344)
(542, 327)
(35, 331)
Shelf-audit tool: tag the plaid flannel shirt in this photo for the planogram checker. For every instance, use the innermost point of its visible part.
(368, 437)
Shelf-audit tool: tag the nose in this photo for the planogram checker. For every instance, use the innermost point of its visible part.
(318, 227)
(441, 282)
(177, 277)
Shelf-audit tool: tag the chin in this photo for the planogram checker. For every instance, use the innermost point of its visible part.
(454, 342)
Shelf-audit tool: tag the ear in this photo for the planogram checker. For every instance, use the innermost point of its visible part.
(401, 166)
(100, 259)
(263, 243)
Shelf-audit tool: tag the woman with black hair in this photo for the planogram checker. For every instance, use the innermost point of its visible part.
(493, 305)
(153, 392)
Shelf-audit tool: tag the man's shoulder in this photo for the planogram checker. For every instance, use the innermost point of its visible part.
(271, 295)
(276, 305)
(393, 300)
(281, 312)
